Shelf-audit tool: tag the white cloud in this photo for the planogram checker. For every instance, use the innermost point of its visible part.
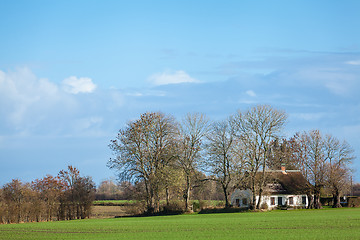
(76, 85)
(308, 116)
(20, 91)
(33, 105)
(337, 81)
(172, 78)
(146, 93)
(251, 93)
(354, 62)
(86, 123)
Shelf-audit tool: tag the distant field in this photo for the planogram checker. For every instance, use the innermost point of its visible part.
(297, 224)
(113, 202)
(118, 208)
(125, 202)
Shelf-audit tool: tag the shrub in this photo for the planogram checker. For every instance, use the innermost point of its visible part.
(354, 202)
(196, 206)
(264, 206)
(136, 208)
(223, 210)
(174, 207)
(220, 204)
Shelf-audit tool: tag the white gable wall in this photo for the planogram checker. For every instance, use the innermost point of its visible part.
(272, 201)
(238, 196)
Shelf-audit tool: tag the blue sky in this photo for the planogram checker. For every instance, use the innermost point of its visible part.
(72, 73)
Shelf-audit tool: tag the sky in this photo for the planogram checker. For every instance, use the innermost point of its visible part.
(72, 73)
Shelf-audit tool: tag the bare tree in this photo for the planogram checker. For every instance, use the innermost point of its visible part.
(312, 163)
(223, 161)
(75, 202)
(143, 149)
(281, 152)
(14, 198)
(193, 129)
(257, 128)
(108, 189)
(50, 190)
(338, 155)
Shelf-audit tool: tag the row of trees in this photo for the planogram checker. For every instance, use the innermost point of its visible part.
(64, 197)
(324, 162)
(172, 158)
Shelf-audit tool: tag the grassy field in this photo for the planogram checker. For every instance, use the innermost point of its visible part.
(108, 211)
(297, 224)
(127, 202)
(114, 202)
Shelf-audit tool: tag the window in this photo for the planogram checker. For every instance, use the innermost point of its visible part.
(303, 200)
(237, 202)
(291, 201)
(272, 201)
(244, 201)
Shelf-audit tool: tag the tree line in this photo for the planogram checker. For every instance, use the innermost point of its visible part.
(64, 197)
(170, 159)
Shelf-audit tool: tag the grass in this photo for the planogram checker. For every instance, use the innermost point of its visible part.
(108, 211)
(113, 202)
(298, 224)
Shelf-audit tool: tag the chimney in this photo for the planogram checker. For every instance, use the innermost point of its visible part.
(283, 168)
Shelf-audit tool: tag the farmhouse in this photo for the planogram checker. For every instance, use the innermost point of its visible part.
(285, 188)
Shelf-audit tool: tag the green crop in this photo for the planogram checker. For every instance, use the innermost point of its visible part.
(297, 224)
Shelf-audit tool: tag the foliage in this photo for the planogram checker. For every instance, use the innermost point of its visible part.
(257, 128)
(168, 160)
(264, 206)
(113, 202)
(354, 202)
(324, 162)
(67, 196)
(193, 129)
(224, 160)
(143, 150)
(76, 200)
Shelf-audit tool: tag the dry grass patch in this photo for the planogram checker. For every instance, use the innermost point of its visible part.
(108, 211)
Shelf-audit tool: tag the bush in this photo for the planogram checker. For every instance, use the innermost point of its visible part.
(199, 205)
(137, 208)
(220, 204)
(223, 210)
(196, 206)
(174, 207)
(264, 206)
(354, 202)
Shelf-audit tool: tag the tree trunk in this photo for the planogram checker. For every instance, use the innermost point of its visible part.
(336, 197)
(187, 193)
(149, 198)
(227, 204)
(259, 201)
(253, 203)
(262, 182)
(150, 203)
(317, 203)
(310, 201)
(167, 196)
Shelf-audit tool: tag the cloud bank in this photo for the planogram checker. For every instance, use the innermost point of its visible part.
(75, 120)
(168, 77)
(76, 85)
(32, 105)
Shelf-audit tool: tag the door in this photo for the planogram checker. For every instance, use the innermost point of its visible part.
(280, 202)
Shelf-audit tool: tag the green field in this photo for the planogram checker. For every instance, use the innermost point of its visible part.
(296, 224)
(114, 202)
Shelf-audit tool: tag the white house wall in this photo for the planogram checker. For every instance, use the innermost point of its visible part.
(297, 200)
(241, 194)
